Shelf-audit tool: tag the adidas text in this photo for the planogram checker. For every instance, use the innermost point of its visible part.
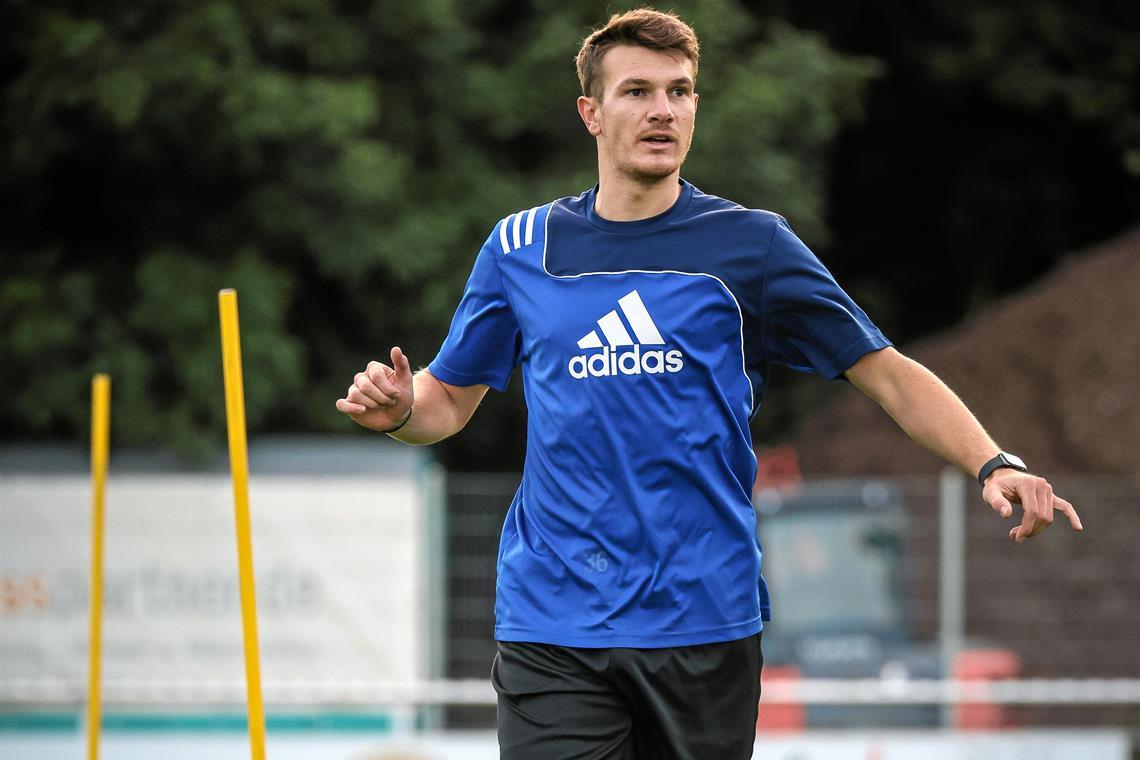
(632, 362)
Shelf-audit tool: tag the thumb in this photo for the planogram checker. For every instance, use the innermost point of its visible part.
(401, 366)
(1002, 505)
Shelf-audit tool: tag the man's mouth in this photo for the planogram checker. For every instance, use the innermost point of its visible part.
(658, 139)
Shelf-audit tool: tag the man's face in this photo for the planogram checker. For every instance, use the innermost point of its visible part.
(645, 117)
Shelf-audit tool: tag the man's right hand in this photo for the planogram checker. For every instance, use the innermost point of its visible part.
(380, 398)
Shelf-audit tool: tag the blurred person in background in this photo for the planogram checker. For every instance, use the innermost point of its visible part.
(645, 314)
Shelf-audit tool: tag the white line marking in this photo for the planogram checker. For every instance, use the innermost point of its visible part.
(503, 235)
(530, 225)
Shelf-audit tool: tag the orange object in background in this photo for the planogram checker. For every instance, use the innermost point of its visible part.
(783, 716)
(778, 468)
(985, 665)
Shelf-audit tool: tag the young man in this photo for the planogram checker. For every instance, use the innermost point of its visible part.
(645, 314)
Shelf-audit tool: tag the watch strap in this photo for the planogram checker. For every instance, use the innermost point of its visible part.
(998, 462)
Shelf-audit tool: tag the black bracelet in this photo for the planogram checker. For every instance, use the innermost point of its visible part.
(405, 422)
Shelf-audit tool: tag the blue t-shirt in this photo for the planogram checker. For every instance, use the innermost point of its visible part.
(645, 349)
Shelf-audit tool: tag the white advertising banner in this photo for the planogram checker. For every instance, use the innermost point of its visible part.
(342, 583)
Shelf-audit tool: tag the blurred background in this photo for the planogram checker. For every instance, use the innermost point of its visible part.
(969, 171)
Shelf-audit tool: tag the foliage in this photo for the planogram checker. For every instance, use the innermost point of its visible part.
(338, 163)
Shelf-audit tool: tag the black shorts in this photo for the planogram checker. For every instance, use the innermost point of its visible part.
(693, 702)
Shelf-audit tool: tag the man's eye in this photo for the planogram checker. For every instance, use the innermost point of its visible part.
(680, 92)
(636, 91)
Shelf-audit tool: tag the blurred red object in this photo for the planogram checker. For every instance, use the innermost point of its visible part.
(778, 468)
(985, 665)
(784, 716)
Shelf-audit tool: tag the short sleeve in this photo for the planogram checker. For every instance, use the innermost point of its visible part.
(809, 323)
(484, 344)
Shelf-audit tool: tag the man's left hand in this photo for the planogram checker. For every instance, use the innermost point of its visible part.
(1006, 487)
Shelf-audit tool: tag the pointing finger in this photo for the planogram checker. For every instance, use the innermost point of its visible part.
(1069, 511)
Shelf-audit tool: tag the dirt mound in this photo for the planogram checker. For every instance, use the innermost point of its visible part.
(1052, 372)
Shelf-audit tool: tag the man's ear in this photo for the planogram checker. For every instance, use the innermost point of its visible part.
(589, 111)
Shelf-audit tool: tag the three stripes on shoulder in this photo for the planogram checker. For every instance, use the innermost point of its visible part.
(517, 230)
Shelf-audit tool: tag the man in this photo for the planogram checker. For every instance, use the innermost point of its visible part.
(645, 314)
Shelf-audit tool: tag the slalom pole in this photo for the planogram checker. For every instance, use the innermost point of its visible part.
(239, 470)
(100, 435)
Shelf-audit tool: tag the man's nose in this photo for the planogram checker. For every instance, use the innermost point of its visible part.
(661, 110)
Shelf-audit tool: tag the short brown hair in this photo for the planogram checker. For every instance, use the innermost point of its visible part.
(646, 27)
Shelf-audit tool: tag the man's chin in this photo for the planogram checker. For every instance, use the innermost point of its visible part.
(650, 173)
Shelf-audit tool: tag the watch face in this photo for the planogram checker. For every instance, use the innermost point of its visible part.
(1014, 459)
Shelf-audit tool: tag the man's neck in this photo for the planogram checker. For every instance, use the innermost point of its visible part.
(625, 200)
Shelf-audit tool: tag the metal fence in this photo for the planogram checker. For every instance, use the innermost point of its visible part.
(1048, 630)
(476, 506)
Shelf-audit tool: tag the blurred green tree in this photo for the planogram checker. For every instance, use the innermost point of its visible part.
(339, 163)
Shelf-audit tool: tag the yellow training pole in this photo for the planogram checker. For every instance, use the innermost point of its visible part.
(100, 433)
(239, 469)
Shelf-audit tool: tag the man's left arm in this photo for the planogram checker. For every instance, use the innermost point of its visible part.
(936, 418)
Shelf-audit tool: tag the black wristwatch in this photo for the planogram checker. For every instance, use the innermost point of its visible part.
(1003, 459)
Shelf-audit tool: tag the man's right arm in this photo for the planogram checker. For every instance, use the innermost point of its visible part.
(416, 409)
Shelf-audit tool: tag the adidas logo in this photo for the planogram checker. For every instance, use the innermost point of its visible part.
(613, 361)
